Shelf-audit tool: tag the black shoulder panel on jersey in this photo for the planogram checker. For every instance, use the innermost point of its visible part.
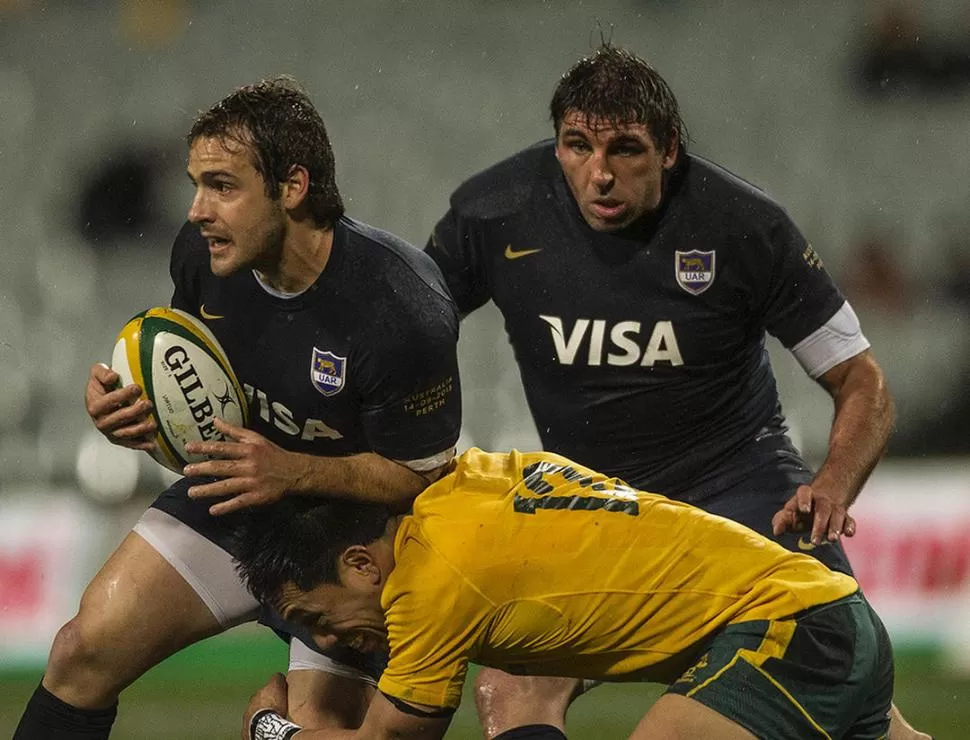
(504, 187)
(721, 189)
(417, 261)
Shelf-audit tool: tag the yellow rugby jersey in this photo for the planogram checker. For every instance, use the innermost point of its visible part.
(534, 564)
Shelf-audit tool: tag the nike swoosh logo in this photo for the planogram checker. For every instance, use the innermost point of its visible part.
(207, 315)
(511, 254)
(806, 544)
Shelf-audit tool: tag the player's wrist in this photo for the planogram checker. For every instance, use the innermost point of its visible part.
(303, 480)
(268, 724)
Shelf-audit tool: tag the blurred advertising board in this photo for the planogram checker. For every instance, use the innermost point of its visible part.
(912, 552)
(48, 542)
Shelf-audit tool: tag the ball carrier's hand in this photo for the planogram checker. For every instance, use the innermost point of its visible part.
(119, 413)
(253, 470)
(265, 715)
(827, 517)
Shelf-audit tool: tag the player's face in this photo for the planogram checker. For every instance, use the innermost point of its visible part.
(244, 227)
(615, 172)
(338, 614)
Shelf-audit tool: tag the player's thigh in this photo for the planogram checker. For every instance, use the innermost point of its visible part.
(874, 700)
(675, 717)
(142, 597)
(814, 676)
(136, 611)
(331, 688)
(198, 546)
(165, 587)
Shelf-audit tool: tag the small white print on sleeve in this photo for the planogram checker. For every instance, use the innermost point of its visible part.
(268, 725)
(429, 463)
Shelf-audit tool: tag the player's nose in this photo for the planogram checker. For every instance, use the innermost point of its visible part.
(325, 640)
(602, 177)
(200, 210)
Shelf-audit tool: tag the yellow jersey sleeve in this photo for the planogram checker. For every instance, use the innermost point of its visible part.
(434, 619)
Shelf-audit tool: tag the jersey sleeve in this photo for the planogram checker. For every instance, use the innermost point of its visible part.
(184, 269)
(410, 390)
(452, 245)
(433, 618)
(799, 295)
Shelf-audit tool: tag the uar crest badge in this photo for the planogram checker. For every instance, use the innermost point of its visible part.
(327, 371)
(694, 270)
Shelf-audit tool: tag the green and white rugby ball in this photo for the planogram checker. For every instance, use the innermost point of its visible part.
(184, 372)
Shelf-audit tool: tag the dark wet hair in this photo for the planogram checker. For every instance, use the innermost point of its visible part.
(278, 123)
(620, 88)
(299, 540)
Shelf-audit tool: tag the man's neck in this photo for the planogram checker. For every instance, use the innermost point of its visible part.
(384, 552)
(303, 256)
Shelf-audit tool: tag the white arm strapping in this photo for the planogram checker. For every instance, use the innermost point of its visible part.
(266, 724)
(837, 340)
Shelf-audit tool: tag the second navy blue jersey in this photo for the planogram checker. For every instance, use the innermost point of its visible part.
(642, 352)
(363, 360)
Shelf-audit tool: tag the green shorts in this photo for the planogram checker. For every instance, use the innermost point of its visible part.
(824, 673)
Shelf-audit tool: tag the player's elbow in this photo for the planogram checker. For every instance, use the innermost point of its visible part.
(883, 402)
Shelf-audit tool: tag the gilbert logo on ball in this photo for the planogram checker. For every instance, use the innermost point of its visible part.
(185, 373)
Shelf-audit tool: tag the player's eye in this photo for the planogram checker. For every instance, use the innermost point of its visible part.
(627, 150)
(578, 145)
(318, 622)
(310, 621)
(222, 187)
(307, 619)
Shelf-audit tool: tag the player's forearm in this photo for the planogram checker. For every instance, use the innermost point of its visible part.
(364, 477)
(329, 734)
(363, 734)
(861, 427)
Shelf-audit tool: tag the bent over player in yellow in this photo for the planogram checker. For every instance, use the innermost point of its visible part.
(533, 564)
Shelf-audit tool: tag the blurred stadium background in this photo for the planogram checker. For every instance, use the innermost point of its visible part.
(855, 115)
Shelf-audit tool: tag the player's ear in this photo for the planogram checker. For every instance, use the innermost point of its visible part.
(358, 566)
(673, 146)
(295, 188)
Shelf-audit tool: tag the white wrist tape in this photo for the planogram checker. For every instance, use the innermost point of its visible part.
(268, 725)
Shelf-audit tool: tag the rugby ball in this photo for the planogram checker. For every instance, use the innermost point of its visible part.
(185, 373)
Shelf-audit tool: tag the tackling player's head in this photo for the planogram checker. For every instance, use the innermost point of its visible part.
(618, 130)
(321, 563)
(256, 156)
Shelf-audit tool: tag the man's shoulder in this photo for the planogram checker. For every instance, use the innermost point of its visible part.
(360, 233)
(421, 568)
(714, 186)
(506, 186)
(380, 254)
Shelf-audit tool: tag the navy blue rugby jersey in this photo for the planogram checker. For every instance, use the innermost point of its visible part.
(642, 353)
(363, 360)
